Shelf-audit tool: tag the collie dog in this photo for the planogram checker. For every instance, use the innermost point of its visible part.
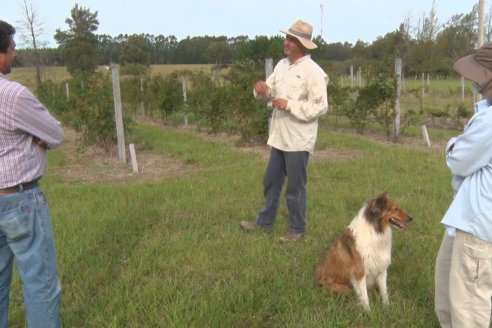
(361, 256)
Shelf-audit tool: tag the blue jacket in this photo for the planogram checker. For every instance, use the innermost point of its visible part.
(469, 157)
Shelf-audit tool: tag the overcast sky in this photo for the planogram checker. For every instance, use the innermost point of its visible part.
(335, 20)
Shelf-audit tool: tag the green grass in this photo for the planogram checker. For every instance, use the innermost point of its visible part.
(171, 254)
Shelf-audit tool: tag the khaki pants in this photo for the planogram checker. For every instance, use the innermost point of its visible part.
(463, 281)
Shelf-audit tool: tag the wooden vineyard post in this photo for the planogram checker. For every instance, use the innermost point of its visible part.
(115, 69)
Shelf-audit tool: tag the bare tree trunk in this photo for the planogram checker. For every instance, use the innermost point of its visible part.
(31, 29)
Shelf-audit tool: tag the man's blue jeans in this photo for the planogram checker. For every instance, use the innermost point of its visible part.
(292, 165)
(26, 236)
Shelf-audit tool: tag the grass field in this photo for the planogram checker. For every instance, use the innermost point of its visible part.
(170, 253)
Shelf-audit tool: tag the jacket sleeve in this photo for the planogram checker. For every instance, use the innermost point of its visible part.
(471, 150)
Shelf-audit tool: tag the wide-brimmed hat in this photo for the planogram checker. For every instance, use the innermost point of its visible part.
(303, 32)
(478, 67)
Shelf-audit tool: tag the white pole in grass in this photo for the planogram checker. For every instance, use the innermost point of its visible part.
(184, 85)
(462, 89)
(397, 97)
(67, 90)
(115, 70)
(133, 156)
(426, 135)
(423, 85)
(351, 76)
(142, 105)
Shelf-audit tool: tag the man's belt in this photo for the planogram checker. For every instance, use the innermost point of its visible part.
(19, 188)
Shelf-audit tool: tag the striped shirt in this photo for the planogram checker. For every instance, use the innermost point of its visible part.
(22, 119)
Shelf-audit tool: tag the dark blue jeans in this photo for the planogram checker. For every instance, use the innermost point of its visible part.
(292, 165)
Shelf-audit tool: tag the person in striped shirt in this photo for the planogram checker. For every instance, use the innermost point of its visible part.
(27, 131)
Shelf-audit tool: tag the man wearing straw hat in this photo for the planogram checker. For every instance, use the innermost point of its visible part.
(297, 89)
(463, 274)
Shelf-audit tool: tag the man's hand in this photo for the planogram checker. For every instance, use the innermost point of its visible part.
(40, 142)
(261, 87)
(279, 103)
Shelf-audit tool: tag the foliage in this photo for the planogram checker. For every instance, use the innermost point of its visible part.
(89, 108)
(202, 86)
(374, 103)
(218, 52)
(339, 97)
(250, 116)
(79, 43)
(171, 95)
(136, 50)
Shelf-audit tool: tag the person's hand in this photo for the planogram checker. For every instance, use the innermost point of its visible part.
(40, 142)
(261, 87)
(279, 103)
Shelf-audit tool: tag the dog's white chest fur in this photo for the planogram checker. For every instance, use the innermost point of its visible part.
(373, 246)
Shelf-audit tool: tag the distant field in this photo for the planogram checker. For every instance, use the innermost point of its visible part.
(27, 75)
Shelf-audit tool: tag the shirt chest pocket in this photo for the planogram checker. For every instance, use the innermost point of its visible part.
(297, 88)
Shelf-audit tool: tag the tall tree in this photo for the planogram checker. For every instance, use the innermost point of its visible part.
(219, 53)
(79, 43)
(423, 53)
(31, 29)
(136, 51)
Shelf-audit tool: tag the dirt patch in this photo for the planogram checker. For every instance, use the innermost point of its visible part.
(94, 165)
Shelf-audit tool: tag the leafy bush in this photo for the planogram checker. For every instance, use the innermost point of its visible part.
(374, 103)
(89, 108)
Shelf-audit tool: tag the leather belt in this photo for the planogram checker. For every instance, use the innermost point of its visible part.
(19, 188)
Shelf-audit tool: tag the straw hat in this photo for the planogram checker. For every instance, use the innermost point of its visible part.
(302, 31)
(478, 67)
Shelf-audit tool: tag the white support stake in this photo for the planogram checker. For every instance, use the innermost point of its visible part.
(133, 156)
(426, 135)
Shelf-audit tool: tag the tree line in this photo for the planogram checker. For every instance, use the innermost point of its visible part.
(428, 47)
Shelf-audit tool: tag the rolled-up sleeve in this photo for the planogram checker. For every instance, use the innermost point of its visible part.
(33, 118)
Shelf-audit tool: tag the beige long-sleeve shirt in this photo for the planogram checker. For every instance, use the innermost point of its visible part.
(304, 85)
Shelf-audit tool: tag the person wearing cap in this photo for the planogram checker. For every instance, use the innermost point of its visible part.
(463, 273)
(27, 130)
(297, 89)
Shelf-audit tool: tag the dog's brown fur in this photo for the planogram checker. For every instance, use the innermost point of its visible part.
(362, 254)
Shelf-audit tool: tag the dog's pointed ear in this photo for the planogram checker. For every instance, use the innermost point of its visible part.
(376, 205)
